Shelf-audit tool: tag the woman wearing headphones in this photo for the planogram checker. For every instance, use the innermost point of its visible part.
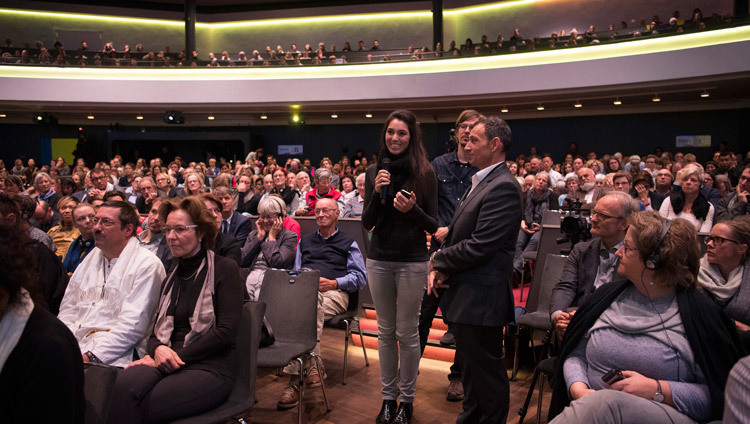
(674, 346)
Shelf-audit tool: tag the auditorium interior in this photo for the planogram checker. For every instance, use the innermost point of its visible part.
(166, 78)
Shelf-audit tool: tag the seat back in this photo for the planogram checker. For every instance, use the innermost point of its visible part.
(553, 267)
(291, 299)
(99, 383)
(248, 340)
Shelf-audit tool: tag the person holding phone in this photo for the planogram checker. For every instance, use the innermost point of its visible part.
(674, 346)
(400, 206)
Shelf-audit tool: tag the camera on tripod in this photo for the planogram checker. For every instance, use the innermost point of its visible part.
(573, 224)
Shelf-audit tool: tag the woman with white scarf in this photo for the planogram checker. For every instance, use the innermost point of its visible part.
(191, 363)
(725, 270)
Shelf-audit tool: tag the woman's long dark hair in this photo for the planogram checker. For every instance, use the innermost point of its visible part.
(419, 164)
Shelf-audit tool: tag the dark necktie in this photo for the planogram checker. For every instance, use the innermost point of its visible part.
(224, 226)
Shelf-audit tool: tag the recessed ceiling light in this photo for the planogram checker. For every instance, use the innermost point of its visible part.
(2, 115)
(540, 107)
(90, 116)
(139, 117)
(617, 102)
(705, 94)
(264, 116)
(578, 105)
(334, 115)
(211, 117)
(368, 115)
(656, 98)
(504, 110)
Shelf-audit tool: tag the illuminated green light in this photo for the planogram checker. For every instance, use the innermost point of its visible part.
(39, 118)
(295, 118)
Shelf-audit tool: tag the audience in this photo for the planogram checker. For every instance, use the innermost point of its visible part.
(83, 218)
(674, 346)
(65, 232)
(269, 245)
(686, 201)
(724, 273)
(592, 264)
(112, 294)
(41, 373)
(538, 199)
(191, 364)
(225, 244)
(342, 270)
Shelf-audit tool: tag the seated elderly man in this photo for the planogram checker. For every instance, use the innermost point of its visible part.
(342, 270)
(148, 193)
(588, 193)
(111, 298)
(592, 263)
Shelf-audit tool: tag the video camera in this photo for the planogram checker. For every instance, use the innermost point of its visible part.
(573, 224)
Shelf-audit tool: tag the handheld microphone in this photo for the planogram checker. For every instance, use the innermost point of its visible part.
(385, 164)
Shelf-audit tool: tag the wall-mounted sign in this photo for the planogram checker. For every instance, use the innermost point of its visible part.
(290, 149)
(693, 141)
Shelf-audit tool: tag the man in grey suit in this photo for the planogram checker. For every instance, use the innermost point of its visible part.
(592, 263)
(475, 264)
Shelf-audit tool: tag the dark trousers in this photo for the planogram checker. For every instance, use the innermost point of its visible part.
(145, 394)
(430, 305)
(486, 388)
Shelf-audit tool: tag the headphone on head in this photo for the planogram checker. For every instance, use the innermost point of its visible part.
(653, 260)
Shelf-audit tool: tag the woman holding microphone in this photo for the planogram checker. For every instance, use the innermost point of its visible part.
(400, 208)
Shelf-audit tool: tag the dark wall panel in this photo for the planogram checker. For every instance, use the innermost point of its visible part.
(628, 134)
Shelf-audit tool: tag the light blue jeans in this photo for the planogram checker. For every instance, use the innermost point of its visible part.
(397, 289)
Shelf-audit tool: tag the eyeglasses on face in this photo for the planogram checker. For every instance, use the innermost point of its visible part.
(603, 216)
(718, 240)
(325, 211)
(178, 229)
(104, 222)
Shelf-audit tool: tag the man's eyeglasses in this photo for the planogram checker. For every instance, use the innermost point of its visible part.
(178, 229)
(105, 222)
(718, 240)
(323, 211)
(603, 216)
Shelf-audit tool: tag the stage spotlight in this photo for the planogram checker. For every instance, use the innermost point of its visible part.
(44, 118)
(174, 117)
(296, 118)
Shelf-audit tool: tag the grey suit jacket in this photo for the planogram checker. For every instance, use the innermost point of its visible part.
(478, 252)
(578, 276)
